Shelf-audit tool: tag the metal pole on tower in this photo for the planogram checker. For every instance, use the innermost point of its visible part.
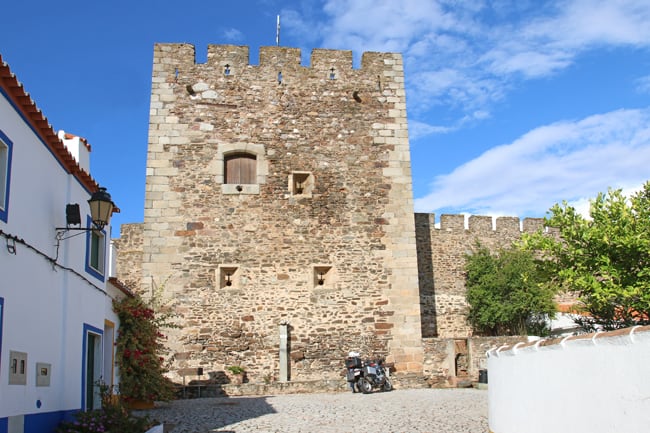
(277, 32)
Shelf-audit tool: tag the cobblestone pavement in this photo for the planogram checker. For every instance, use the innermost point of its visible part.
(408, 411)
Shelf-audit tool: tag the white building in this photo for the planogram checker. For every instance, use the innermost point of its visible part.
(57, 326)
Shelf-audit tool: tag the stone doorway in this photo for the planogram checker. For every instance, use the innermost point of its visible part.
(461, 358)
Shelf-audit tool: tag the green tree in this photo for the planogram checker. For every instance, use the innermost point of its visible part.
(604, 259)
(506, 294)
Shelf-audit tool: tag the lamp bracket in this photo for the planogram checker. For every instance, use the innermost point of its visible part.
(11, 245)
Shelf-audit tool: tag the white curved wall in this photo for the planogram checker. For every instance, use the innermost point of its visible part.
(596, 383)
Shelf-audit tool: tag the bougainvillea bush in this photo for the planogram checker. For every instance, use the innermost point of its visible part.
(105, 420)
(139, 352)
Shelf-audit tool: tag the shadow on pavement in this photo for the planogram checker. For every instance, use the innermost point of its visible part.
(203, 415)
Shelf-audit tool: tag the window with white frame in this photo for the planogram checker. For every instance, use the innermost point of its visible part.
(95, 251)
(5, 174)
(96, 254)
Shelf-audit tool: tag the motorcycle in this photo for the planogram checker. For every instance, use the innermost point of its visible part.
(368, 375)
(374, 376)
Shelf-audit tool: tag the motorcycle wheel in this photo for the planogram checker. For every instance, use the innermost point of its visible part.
(364, 386)
(387, 385)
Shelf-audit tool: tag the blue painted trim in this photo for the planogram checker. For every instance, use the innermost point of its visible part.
(2, 312)
(87, 329)
(92, 271)
(44, 422)
(38, 136)
(4, 213)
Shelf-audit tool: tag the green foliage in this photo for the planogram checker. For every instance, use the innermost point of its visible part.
(506, 294)
(113, 417)
(236, 369)
(139, 350)
(606, 259)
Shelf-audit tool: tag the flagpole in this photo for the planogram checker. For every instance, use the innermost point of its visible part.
(277, 32)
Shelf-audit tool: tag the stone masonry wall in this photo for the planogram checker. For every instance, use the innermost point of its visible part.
(239, 260)
(441, 263)
(440, 358)
(388, 279)
(129, 255)
(447, 274)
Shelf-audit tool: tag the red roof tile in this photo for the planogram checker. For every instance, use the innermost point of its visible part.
(39, 124)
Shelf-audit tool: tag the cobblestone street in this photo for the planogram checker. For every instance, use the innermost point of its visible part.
(408, 411)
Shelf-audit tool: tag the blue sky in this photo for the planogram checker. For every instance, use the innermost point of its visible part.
(513, 105)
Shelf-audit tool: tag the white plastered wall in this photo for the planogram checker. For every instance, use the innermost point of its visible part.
(599, 383)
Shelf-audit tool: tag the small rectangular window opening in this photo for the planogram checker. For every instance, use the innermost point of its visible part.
(323, 276)
(228, 276)
(301, 183)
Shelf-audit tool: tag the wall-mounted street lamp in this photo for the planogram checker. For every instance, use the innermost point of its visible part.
(101, 209)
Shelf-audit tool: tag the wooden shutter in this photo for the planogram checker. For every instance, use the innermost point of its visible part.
(241, 169)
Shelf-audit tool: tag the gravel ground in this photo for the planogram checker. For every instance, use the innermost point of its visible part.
(408, 411)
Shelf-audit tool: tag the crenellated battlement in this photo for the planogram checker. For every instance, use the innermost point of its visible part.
(237, 57)
(463, 224)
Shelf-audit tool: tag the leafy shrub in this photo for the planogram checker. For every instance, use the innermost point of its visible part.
(113, 417)
(507, 294)
(139, 350)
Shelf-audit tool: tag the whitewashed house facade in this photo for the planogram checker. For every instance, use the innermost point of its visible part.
(57, 326)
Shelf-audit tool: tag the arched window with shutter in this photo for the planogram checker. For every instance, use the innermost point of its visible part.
(240, 168)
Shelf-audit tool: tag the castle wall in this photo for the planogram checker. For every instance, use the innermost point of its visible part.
(331, 202)
(129, 255)
(441, 264)
(440, 358)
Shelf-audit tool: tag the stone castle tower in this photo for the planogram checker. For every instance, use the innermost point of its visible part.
(279, 195)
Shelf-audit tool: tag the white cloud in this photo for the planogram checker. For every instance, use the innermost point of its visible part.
(643, 84)
(587, 22)
(419, 129)
(233, 35)
(561, 161)
(583, 204)
(469, 54)
(463, 57)
(550, 42)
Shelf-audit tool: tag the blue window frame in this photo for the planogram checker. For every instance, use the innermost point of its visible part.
(6, 147)
(95, 251)
(91, 367)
